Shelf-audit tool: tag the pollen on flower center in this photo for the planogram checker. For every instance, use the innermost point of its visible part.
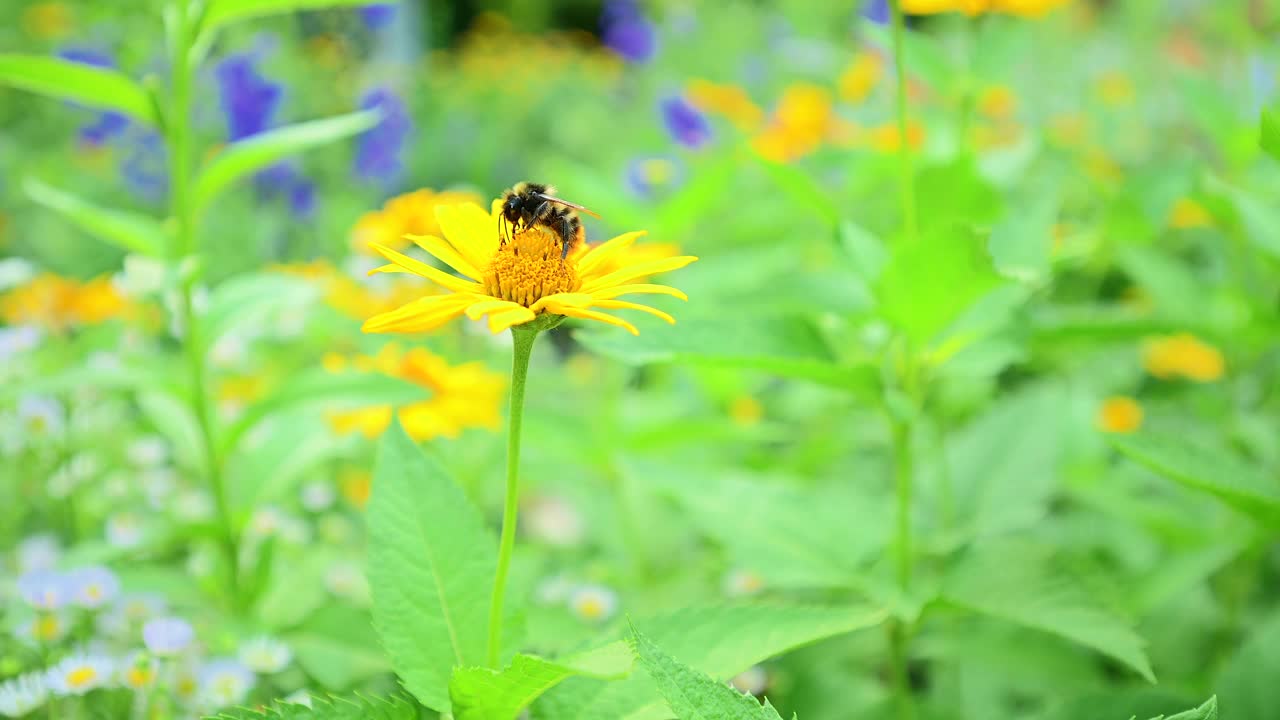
(81, 676)
(529, 267)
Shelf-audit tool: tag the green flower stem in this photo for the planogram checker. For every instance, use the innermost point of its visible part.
(906, 183)
(178, 129)
(522, 337)
(902, 486)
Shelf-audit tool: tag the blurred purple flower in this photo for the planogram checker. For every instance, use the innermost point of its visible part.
(249, 100)
(687, 125)
(167, 636)
(378, 150)
(648, 176)
(626, 31)
(145, 169)
(877, 11)
(109, 125)
(378, 16)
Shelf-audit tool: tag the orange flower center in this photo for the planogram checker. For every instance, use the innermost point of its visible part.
(529, 267)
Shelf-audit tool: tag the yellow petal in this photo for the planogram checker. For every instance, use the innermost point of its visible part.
(602, 317)
(600, 253)
(445, 252)
(484, 307)
(624, 305)
(550, 303)
(388, 269)
(639, 270)
(420, 315)
(618, 290)
(470, 230)
(418, 267)
(518, 315)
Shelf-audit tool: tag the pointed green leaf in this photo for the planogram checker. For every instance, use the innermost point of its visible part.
(337, 647)
(431, 565)
(243, 158)
(1269, 135)
(720, 641)
(1247, 683)
(96, 87)
(1242, 486)
(693, 695)
(222, 12)
(355, 707)
(482, 694)
(129, 231)
(248, 301)
(1009, 585)
(1207, 711)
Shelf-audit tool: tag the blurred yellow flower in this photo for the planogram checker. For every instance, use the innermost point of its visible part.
(746, 411)
(462, 396)
(729, 101)
(1119, 414)
(997, 102)
(514, 280)
(1187, 213)
(1069, 129)
(860, 78)
(356, 486)
(56, 303)
(803, 119)
(886, 138)
(329, 51)
(1115, 89)
(409, 214)
(1024, 8)
(1182, 355)
(49, 20)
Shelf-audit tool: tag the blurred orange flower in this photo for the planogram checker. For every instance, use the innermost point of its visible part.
(409, 214)
(1187, 213)
(860, 78)
(1024, 8)
(49, 20)
(1182, 355)
(728, 101)
(463, 396)
(802, 120)
(1119, 414)
(57, 303)
(997, 102)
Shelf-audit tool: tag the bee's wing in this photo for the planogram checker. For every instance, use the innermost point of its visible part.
(566, 203)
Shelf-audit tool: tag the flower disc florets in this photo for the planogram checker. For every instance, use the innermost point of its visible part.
(529, 267)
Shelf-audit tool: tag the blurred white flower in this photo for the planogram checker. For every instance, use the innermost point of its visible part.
(265, 655)
(124, 530)
(553, 590)
(44, 629)
(739, 583)
(193, 505)
(38, 552)
(140, 277)
(45, 589)
(167, 636)
(554, 521)
(80, 673)
(122, 619)
(265, 522)
(230, 351)
(40, 416)
(148, 451)
(138, 671)
(346, 580)
(752, 681)
(95, 586)
(318, 495)
(15, 271)
(593, 603)
(17, 340)
(23, 694)
(158, 484)
(224, 682)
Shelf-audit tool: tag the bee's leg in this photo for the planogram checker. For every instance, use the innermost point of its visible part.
(566, 232)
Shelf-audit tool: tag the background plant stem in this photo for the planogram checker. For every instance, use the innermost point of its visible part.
(184, 246)
(906, 184)
(522, 348)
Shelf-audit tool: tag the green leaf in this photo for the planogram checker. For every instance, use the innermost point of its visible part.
(782, 345)
(1207, 711)
(929, 283)
(1269, 132)
(1258, 217)
(95, 87)
(431, 564)
(338, 647)
(693, 695)
(251, 300)
(1247, 683)
(480, 693)
(355, 707)
(1010, 585)
(801, 187)
(1244, 487)
(1021, 242)
(173, 418)
(129, 231)
(720, 641)
(240, 159)
(222, 12)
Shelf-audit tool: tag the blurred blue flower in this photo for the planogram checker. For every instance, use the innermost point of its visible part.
(45, 589)
(108, 125)
(626, 31)
(94, 586)
(877, 11)
(687, 125)
(378, 16)
(167, 636)
(647, 176)
(249, 100)
(378, 150)
(145, 169)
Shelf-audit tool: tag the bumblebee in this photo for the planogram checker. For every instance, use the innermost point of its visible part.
(528, 204)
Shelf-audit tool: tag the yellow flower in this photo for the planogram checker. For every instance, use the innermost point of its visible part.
(860, 78)
(1188, 213)
(514, 280)
(802, 120)
(57, 303)
(48, 19)
(1025, 8)
(997, 102)
(462, 396)
(409, 214)
(746, 411)
(730, 101)
(1115, 89)
(1182, 355)
(886, 138)
(356, 487)
(1069, 129)
(1119, 414)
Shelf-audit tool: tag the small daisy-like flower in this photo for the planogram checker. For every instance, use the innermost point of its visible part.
(94, 586)
(554, 521)
(742, 582)
(45, 628)
(593, 603)
(124, 530)
(224, 682)
(40, 416)
(318, 495)
(265, 655)
(45, 589)
(80, 673)
(512, 281)
(346, 580)
(167, 636)
(1119, 415)
(23, 694)
(138, 672)
(38, 552)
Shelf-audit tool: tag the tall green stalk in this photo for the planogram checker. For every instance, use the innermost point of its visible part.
(178, 130)
(906, 179)
(522, 347)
